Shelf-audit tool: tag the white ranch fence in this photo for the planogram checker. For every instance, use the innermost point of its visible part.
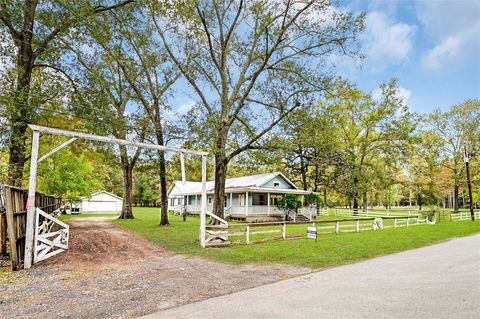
(325, 227)
(51, 235)
(464, 216)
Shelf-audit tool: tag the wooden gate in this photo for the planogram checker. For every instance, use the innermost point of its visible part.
(13, 214)
(51, 236)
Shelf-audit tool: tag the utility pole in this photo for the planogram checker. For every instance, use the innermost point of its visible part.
(469, 182)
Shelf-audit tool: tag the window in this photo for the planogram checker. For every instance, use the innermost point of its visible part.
(225, 201)
(241, 200)
(274, 199)
(276, 184)
(209, 199)
(261, 199)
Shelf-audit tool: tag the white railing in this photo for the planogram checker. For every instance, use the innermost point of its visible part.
(361, 213)
(464, 216)
(326, 227)
(255, 210)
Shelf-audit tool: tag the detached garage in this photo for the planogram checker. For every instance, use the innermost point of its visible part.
(101, 202)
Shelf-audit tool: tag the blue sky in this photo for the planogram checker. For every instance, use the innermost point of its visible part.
(431, 47)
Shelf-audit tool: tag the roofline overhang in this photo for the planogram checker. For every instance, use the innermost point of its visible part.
(235, 190)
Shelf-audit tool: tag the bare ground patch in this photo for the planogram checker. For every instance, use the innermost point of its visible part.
(109, 272)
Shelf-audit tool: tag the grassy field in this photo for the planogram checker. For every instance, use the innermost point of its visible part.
(329, 250)
(67, 217)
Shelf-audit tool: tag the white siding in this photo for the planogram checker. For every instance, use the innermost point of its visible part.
(101, 203)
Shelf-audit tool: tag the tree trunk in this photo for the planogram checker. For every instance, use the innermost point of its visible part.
(127, 171)
(220, 173)
(455, 197)
(221, 163)
(355, 196)
(365, 202)
(303, 170)
(22, 113)
(315, 186)
(163, 189)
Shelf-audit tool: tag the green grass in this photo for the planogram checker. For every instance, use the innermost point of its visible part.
(67, 217)
(329, 250)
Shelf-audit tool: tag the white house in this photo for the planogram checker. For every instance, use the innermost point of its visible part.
(254, 195)
(101, 202)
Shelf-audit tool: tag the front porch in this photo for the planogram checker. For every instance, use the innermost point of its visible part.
(246, 206)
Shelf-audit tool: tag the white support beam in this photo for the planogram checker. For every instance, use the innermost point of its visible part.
(268, 203)
(56, 149)
(182, 164)
(246, 203)
(110, 140)
(203, 210)
(32, 186)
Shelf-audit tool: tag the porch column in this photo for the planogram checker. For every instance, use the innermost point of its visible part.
(196, 202)
(268, 203)
(246, 203)
(231, 200)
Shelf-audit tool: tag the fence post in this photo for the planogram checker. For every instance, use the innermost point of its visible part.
(3, 233)
(284, 230)
(358, 225)
(248, 235)
(337, 227)
(12, 236)
(395, 222)
(408, 221)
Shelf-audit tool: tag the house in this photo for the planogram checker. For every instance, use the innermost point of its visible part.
(101, 202)
(246, 196)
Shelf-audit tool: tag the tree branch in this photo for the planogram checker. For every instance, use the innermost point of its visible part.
(262, 133)
(70, 22)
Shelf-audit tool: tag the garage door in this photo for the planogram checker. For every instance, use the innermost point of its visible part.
(102, 206)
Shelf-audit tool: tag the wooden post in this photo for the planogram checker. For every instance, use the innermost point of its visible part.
(3, 234)
(469, 184)
(408, 221)
(203, 209)
(337, 227)
(247, 235)
(358, 225)
(395, 222)
(12, 236)
(246, 203)
(32, 186)
(284, 230)
(268, 204)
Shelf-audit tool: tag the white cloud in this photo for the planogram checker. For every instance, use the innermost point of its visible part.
(456, 28)
(385, 40)
(402, 93)
(184, 108)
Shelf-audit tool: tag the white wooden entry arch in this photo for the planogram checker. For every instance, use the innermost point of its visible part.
(34, 160)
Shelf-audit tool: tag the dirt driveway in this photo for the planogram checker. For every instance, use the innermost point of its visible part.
(109, 272)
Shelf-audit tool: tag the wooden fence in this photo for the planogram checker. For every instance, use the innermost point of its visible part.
(334, 226)
(13, 216)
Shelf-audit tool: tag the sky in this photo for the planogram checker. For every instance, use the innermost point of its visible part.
(432, 47)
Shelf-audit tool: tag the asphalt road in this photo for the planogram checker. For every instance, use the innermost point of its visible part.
(440, 281)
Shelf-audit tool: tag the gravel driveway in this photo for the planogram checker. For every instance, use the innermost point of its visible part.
(109, 272)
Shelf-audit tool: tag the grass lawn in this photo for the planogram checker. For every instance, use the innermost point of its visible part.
(67, 217)
(329, 250)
